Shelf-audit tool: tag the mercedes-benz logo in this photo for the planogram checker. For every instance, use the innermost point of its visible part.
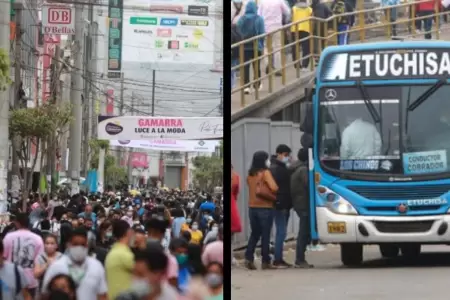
(330, 94)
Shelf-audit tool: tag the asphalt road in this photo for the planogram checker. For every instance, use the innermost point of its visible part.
(377, 279)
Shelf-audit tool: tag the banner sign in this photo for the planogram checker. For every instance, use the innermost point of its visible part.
(386, 64)
(149, 128)
(169, 145)
(115, 16)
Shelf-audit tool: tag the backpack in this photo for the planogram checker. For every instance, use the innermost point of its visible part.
(17, 280)
(339, 8)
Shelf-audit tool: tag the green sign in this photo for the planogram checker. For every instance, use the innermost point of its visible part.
(143, 21)
(159, 44)
(115, 14)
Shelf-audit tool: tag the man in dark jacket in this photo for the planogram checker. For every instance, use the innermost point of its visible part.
(300, 202)
(283, 204)
(320, 11)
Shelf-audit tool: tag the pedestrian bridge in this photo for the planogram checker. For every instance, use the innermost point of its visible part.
(286, 86)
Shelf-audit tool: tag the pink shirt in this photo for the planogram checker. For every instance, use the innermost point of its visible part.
(213, 253)
(272, 12)
(23, 247)
(172, 267)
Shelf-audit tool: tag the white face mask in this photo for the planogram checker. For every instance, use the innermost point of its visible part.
(78, 253)
(194, 227)
(268, 163)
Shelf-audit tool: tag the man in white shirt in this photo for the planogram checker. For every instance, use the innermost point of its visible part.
(360, 140)
(87, 272)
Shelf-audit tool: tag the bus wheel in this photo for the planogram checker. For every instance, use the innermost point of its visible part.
(389, 251)
(411, 251)
(351, 254)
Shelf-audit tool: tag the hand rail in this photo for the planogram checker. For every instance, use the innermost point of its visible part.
(366, 32)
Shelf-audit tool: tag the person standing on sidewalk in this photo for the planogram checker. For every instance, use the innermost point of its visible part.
(389, 5)
(261, 197)
(249, 26)
(283, 204)
(344, 23)
(236, 226)
(426, 10)
(301, 12)
(300, 202)
(273, 12)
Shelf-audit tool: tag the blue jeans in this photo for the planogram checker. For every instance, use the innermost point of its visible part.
(281, 222)
(303, 237)
(342, 34)
(427, 23)
(261, 220)
(234, 62)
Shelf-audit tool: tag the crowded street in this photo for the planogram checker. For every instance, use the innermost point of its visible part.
(376, 279)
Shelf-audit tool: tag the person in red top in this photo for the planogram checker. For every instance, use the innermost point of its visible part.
(236, 226)
(427, 9)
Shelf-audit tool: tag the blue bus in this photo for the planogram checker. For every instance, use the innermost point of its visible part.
(379, 148)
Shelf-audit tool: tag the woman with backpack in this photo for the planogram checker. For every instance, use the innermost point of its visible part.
(248, 26)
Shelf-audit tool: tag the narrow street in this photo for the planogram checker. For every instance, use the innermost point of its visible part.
(377, 279)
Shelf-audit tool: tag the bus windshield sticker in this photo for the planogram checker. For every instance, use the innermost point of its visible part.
(425, 162)
(359, 165)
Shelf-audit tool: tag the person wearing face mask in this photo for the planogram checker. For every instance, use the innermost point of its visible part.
(129, 216)
(214, 280)
(262, 190)
(120, 260)
(156, 229)
(196, 234)
(45, 259)
(179, 248)
(283, 203)
(86, 272)
(149, 281)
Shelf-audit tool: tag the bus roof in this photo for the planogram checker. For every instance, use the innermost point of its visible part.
(386, 45)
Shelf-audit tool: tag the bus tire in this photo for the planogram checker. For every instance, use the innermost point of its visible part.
(411, 251)
(389, 251)
(351, 254)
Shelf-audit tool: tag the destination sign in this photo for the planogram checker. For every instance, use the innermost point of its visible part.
(386, 64)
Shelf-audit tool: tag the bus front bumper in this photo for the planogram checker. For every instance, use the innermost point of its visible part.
(336, 228)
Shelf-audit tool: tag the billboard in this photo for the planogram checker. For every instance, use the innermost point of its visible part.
(58, 20)
(50, 42)
(115, 19)
(171, 32)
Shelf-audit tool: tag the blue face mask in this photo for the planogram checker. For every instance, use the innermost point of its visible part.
(182, 259)
(285, 159)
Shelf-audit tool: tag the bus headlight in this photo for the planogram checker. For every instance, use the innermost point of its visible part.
(342, 207)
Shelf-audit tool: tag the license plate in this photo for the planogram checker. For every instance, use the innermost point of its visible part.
(337, 227)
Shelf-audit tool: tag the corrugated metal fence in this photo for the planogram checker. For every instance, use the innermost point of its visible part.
(247, 137)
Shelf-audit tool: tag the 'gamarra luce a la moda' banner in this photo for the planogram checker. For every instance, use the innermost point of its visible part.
(169, 145)
(149, 128)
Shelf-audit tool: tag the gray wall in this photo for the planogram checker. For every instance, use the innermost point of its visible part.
(247, 137)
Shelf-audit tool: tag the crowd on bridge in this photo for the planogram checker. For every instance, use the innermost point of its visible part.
(250, 19)
(127, 245)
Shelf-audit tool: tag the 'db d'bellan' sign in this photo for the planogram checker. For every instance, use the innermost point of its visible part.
(387, 64)
(115, 14)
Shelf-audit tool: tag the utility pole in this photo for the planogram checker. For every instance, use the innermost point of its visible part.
(119, 152)
(153, 91)
(75, 98)
(130, 152)
(5, 18)
(55, 98)
(88, 101)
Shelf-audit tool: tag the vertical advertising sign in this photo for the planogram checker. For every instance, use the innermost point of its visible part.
(110, 102)
(115, 16)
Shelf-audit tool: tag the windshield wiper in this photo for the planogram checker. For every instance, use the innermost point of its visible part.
(367, 101)
(427, 94)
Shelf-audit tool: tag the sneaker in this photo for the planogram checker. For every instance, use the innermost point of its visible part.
(281, 265)
(247, 91)
(268, 266)
(250, 265)
(317, 247)
(303, 265)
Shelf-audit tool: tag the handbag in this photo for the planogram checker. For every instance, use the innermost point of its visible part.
(263, 191)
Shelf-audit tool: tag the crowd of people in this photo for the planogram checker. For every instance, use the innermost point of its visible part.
(158, 244)
(251, 18)
(276, 185)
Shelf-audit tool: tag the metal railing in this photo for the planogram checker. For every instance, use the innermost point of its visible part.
(370, 25)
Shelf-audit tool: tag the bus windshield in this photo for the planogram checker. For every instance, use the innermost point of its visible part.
(399, 142)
